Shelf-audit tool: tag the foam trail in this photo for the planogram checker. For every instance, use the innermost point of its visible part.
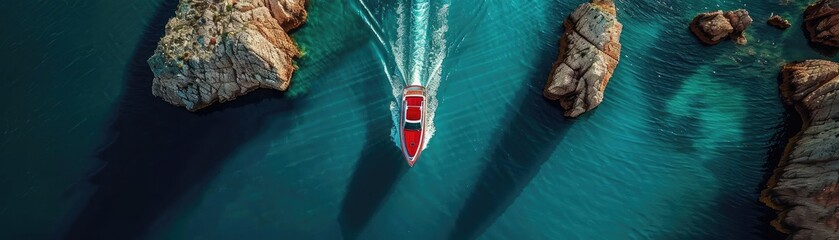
(374, 26)
(371, 22)
(419, 34)
(398, 46)
(439, 49)
(414, 47)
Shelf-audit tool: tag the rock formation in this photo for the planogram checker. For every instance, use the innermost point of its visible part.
(214, 51)
(806, 189)
(822, 23)
(714, 27)
(589, 53)
(711, 28)
(740, 20)
(778, 22)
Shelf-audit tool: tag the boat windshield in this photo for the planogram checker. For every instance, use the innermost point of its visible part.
(413, 126)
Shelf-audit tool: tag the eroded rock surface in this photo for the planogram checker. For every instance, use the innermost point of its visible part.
(589, 53)
(807, 186)
(778, 22)
(714, 27)
(214, 51)
(821, 21)
(740, 20)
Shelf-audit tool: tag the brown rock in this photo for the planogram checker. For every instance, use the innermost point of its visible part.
(778, 22)
(711, 27)
(714, 27)
(589, 53)
(740, 20)
(215, 51)
(290, 14)
(806, 189)
(821, 22)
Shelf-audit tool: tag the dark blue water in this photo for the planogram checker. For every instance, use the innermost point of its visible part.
(678, 149)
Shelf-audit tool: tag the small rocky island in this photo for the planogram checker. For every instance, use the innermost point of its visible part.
(215, 51)
(589, 53)
(778, 22)
(821, 21)
(714, 27)
(806, 187)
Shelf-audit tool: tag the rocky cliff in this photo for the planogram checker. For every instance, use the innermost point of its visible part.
(589, 53)
(217, 50)
(821, 21)
(806, 187)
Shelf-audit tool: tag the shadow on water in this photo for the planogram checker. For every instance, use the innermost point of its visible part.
(525, 144)
(378, 168)
(736, 212)
(533, 131)
(160, 154)
(743, 211)
(789, 127)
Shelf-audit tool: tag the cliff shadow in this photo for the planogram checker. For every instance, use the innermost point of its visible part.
(790, 126)
(732, 204)
(158, 154)
(379, 167)
(528, 140)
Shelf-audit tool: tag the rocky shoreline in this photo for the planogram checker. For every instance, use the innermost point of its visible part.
(216, 51)
(805, 185)
(589, 53)
(805, 188)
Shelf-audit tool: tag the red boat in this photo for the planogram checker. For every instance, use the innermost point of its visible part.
(413, 122)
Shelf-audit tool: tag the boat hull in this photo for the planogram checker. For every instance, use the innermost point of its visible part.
(412, 128)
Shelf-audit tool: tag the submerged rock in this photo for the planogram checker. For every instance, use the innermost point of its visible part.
(778, 22)
(807, 186)
(821, 21)
(589, 53)
(215, 51)
(714, 27)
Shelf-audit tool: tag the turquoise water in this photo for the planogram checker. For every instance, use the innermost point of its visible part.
(678, 149)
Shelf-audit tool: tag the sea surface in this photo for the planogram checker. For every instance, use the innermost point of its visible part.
(680, 148)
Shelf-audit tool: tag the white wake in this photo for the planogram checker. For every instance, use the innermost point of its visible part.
(416, 40)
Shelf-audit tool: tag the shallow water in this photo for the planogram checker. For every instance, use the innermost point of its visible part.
(678, 149)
